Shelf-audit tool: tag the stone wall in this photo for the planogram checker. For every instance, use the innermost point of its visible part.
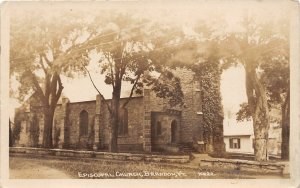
(66, 125)
(134, 139)
(191, 117)
(24, 135)
(74, 110)
(191, 112)
(25, 120)
(100, 155)
(243, 165)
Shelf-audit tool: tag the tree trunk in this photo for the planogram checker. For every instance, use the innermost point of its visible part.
(261, 128)
(257, 101)
(285, 125)
(48, 121)
(114, 119)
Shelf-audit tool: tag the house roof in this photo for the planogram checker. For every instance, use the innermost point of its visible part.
(232, 128)
(245, 128)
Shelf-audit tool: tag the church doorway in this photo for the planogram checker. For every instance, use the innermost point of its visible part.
(173, 131)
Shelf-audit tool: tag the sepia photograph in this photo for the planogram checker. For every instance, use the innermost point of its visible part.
(149, 90)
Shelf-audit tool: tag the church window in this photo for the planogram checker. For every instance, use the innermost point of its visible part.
(123, 122)
(83, 123)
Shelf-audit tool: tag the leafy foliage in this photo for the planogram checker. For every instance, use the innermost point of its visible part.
(38, 43)
(168, 86)
(276, 77)
(210, 76)
(244, 113)
(133, 50)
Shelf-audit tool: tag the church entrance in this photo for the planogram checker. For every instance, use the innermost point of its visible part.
(165, 131)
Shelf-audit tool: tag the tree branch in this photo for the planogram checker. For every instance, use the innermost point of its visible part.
(89, 37)
(74, 40)
(55, 92)
(38, 89)
(53, 88)
(104, 100)
(60, 88)
(83, 45)
(132, 89)
(47, 86)
(111, 69)
(123, 65)
(123, 53)
(42, 64)
(55, 48)
(46, 59)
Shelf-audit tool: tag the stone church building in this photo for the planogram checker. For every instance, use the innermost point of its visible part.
(147, 124)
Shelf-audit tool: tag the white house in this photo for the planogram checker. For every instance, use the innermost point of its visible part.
(239, 137)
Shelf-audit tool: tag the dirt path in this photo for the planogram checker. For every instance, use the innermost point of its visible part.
(36, 171)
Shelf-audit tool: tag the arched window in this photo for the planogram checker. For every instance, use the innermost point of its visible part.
(83, 123)
(158, 128)
(123, 121)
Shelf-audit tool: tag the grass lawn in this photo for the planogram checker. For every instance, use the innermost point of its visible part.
(21, 166)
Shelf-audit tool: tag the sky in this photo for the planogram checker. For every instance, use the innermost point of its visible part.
(233, 89)
(233, 92)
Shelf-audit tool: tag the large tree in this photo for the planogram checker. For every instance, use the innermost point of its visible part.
(258, 45)
(37, 41)
(133, 50)
(277, 80)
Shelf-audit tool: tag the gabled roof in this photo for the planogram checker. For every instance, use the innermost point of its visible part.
(232, 127)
